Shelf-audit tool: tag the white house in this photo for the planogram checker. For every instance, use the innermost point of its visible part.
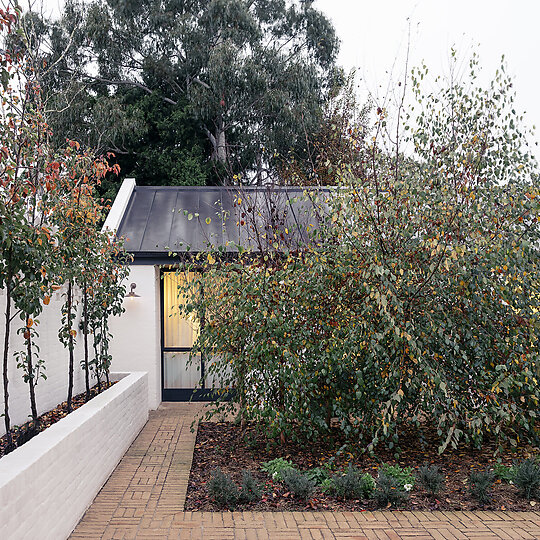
(159, 222)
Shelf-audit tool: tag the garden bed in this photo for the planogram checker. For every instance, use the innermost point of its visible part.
(224, 445)
(23, 433)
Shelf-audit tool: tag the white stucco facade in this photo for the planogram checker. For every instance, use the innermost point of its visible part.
(136, 334)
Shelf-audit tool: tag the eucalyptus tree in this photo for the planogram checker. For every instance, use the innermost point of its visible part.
(253, 73)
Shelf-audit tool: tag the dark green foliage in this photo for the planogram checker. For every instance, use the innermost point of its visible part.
(353, 484)
(389, 491)
(383, 320)
(250, 491)
(319, 474)
(403, 476)
(222, 489)
(480, 484)
(527, 478)
(244, 77)
(431, 478)
(504, 473)
(298, 483)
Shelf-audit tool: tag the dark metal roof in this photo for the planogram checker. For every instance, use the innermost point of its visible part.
(162, 219)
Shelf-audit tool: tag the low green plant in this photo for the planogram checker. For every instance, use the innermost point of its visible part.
(353, 484)
(504, 473)
(480, 484)
(250, 490)
(431, 478)
(319, 474)
(527, 478)
(389, 491)
(300, 484)
(222, 489)
(276, 467)
(404, 476)
(327, 485)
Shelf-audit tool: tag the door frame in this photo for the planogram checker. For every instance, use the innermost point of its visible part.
(177, 394)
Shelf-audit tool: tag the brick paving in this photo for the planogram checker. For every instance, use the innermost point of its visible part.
(145, 495)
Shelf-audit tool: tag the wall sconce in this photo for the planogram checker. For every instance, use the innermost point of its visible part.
(132, 294)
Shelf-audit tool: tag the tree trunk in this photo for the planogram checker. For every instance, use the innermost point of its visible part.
(219, 143)
(70, 344)
(31, 384)
(104, 340)
(221, 147)
(85, 339)
(7, 421)
(96, 355)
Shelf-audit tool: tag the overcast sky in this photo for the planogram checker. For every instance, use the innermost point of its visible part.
(374, 37)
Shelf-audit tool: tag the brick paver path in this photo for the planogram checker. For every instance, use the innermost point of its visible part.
(144, 499)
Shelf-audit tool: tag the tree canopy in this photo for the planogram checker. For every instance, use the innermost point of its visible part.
(238, 82)
(413, 306)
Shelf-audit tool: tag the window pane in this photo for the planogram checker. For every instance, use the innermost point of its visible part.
(177, 373)
(178, 332)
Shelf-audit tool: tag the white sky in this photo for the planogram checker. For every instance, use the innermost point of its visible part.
(374, 37)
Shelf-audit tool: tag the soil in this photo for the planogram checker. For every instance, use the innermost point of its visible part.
(25, 432)
(224, 445)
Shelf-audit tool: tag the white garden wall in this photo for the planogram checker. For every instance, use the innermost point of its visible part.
(136, 334)
(50, 392)
(47, 484)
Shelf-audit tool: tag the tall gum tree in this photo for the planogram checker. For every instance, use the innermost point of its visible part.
(254, 72)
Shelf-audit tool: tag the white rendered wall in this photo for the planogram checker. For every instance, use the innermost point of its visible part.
(136, 334)
(47, 484)
(50, 392)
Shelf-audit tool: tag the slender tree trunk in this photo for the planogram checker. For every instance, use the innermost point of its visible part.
(104, 340)
(31, 384)
(7, 421)
(85, 339)
(98, 369)
(70, 344)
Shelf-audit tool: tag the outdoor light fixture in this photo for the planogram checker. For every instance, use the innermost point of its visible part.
(132, 294)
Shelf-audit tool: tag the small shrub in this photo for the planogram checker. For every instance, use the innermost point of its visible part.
(276, 467)
(431, 478)
(404, 476)
(327, 485)
(298, 483)
(249, 490)
(222, 489)
(504, 473)
(389, 491)
(353, 484)
(527, 478)
(480, 483)
(319, 474)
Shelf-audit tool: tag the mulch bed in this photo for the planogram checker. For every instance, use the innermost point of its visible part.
(25, 432)
(224, 445)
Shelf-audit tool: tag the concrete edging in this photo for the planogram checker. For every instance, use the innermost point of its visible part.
(47, 484)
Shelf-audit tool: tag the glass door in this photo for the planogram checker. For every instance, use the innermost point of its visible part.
(182, 379)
